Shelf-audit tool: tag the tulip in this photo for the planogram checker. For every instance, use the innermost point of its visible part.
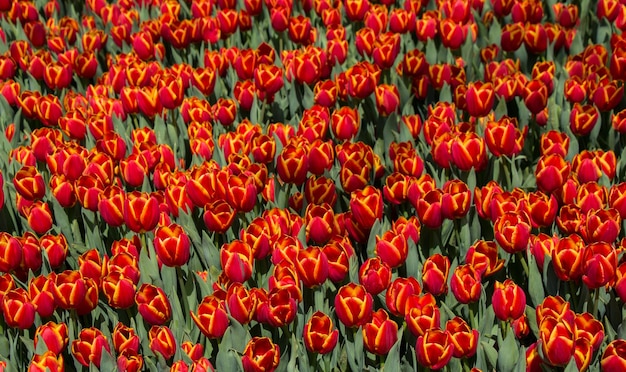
(599, 264)
(312, 265)
(195, 352)
(380, 334)
(535, 96)
(41, 292)
(141, 211)
(435, 274)
(211, 317)
(366, 206)
(607, 96)
(551, 172)
(29, 183)
(590, 329)
(47, 361)
(162, 341)
(125, 339)
(119, 290)
(261, 354)
(509, 300)
(19, 311)
(129, 361)
(320, 222)
(583, 118)
(236, 259)
(319, 334)
(172, 245)
(318, 190)
(512, 232)
(392, 248)
(601, 226)
(567, 258)
(89, 346)
(503, 137)
(422, 314)
(613, 358)
(542, 209)
(279, 309)
(464, 338)
(468, 151)
(557, 341)
(375, 276)
(465, 284)
(292, 165)
(54, 335)
(241, 303)
(10, 252)
(434, 349)
(153, 304)
(353, 305)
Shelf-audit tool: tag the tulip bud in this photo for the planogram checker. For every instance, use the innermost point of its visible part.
(509, 300)
(172, 245)
(465, 284)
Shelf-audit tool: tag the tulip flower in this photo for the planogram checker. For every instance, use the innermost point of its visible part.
(125, 339)
(353, 305)
(380, 334)
(162, 341)
(434, 349)
(89, 346)
(509, 300)
(211, 317)
(319, 334)
(153, 304)
(261, 354)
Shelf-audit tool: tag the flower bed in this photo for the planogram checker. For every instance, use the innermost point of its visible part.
(316, 184)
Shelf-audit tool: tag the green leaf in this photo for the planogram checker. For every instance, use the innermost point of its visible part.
(571, 366)
(535, 284)
(508, 351)
(490, 353)
(371, 241)
(107, 362)
(431, 52)
(228, 360)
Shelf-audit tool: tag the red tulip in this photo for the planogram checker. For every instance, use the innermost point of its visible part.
(434, 349)
(319, 334)
(353, 305)
(380, 333)
(261, 354)
(211, 317)
(509, 300)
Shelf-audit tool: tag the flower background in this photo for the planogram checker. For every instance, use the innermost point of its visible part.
(312, 185)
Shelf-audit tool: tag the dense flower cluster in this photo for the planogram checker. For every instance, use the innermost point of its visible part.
(325, 184)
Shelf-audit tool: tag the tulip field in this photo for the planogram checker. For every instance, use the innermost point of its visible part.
(312, 185)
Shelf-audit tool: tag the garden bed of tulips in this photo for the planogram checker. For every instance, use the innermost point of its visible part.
(312, 185)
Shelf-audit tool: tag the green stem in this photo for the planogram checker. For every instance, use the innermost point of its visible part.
(521, 259)
(183, 294)
(596, 300)
(472, 314)
(504, 326)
